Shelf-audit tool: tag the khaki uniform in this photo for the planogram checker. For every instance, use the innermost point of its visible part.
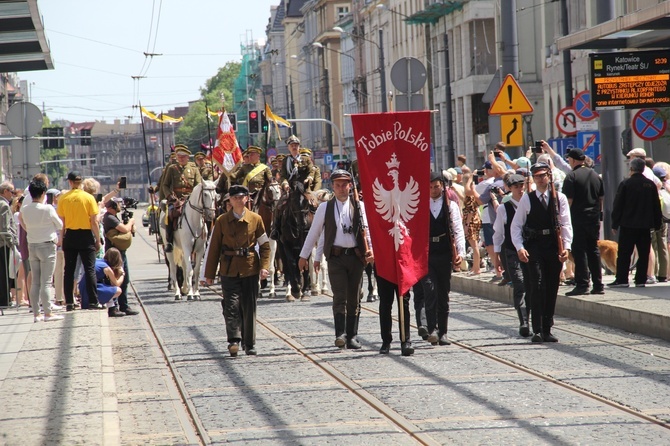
(162, 178)
(316, 175)
(255, 183)
(230, 234)
(180, 180)
(207, 172)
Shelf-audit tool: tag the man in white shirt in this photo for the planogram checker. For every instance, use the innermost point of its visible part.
(347, 250)
(534, 234)
(446, 248)
(503, 246)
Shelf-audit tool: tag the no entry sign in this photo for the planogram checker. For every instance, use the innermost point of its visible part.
(648, 125)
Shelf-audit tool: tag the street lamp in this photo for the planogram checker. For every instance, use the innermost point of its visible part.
(382, 69)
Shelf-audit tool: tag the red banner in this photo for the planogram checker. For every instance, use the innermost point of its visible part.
(393, 151)
(226, 152)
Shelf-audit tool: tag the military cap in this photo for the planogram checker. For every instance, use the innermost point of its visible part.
(292, 140)
(181, 149)
(280, 157)
(305, 151)
(253, 149)
(74, 176)
(237, 189)
(515, 179)
(173, 155)
(275, 160)
(340, 174)
(537, 167)
(199, 154)
(436, 176)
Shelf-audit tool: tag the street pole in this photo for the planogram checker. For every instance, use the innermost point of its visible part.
(451, 156)
(382, 70)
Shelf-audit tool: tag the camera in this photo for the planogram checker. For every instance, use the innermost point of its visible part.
(128, 203)
(538, 147)
(496, 190)
(479, 172)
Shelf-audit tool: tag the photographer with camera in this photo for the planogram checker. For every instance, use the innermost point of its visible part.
(118, 234)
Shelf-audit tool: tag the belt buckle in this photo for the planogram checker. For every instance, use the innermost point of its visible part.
(347, 251)
(546, 232)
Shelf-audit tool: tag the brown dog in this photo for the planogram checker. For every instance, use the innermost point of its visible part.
(608, 254)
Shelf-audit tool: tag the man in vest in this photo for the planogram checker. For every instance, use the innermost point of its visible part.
(503, 246)
(179, 181)
(255, 175)
(446, 234)
(344, 246)
(534, 236)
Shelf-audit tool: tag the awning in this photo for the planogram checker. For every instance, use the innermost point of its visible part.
(432, 13)
(644, 29)
(23, 44)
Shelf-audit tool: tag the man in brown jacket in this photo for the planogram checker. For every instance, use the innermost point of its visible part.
(233, 250)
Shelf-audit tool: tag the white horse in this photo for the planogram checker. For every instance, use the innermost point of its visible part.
(190, 237)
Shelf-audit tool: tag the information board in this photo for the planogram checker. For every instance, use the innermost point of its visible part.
(629, 80)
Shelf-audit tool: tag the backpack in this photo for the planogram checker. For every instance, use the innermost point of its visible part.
(665, 204)
(120, 240)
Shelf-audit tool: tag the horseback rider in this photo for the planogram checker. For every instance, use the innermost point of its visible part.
(255, 175)
(204, 166)
(276, 166)
(179, 181)
(314, 175)
(159, 186)
(291, 170)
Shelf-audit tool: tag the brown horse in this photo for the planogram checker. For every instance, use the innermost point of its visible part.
(266, 206)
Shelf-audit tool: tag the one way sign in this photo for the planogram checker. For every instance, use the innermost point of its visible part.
(511, 130)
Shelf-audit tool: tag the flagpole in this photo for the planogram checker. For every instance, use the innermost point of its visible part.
(209, 130)
(162, 140)
(150, 189)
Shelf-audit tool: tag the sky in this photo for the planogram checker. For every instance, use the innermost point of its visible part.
(98, 46)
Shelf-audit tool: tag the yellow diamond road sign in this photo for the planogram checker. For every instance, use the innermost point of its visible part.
(510, 99)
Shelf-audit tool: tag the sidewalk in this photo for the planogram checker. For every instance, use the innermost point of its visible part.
(638, 310)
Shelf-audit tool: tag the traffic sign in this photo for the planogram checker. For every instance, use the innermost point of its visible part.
(328, 158)
(562, 145)
(582, 106)
(271, 153)
(510, 99)
(648, 125)
(566, 121)
(589, 142)
(511, 129)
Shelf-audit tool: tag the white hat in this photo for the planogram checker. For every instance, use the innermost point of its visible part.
(637, 152)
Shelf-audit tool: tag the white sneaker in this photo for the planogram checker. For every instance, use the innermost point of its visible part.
(56, 307)
(37, 319)
(53, 317)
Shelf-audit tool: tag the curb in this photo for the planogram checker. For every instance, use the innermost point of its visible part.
(598, 309)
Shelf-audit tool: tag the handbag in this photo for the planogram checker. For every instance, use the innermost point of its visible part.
(14, 262)
(120, 241)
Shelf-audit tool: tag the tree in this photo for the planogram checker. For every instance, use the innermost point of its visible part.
(193, 130)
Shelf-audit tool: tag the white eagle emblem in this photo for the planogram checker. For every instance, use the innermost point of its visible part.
(396, 206)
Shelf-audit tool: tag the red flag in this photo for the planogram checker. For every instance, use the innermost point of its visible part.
(227, 151)
(393, 151)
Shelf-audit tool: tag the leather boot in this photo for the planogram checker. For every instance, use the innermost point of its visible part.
(168, 236)
(340, 340)
(442, 325)
(352, 331)
(524, 331)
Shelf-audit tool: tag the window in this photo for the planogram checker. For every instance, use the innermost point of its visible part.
(341, 11)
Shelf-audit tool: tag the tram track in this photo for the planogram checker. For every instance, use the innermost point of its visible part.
(386, 411)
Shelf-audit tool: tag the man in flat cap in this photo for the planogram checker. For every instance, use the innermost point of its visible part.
(204, 166)
(344, 247)
(232, 250)
(179, 181)
(446, 235)
(534, 234)
(585, 192)
(503, 246)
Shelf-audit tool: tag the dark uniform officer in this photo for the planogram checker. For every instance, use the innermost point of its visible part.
(204, 166)
(343, 245)
(534, 236)
(445, 225)
(179, 181)
(312, 170)
(233, 250)
(254, 175)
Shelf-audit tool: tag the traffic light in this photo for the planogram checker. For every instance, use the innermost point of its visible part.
(264, 122)
(232, 117)
(253, 121)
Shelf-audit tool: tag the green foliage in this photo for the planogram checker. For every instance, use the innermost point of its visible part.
(193, 130)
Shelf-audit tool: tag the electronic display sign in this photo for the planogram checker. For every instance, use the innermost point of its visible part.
(629, 80)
